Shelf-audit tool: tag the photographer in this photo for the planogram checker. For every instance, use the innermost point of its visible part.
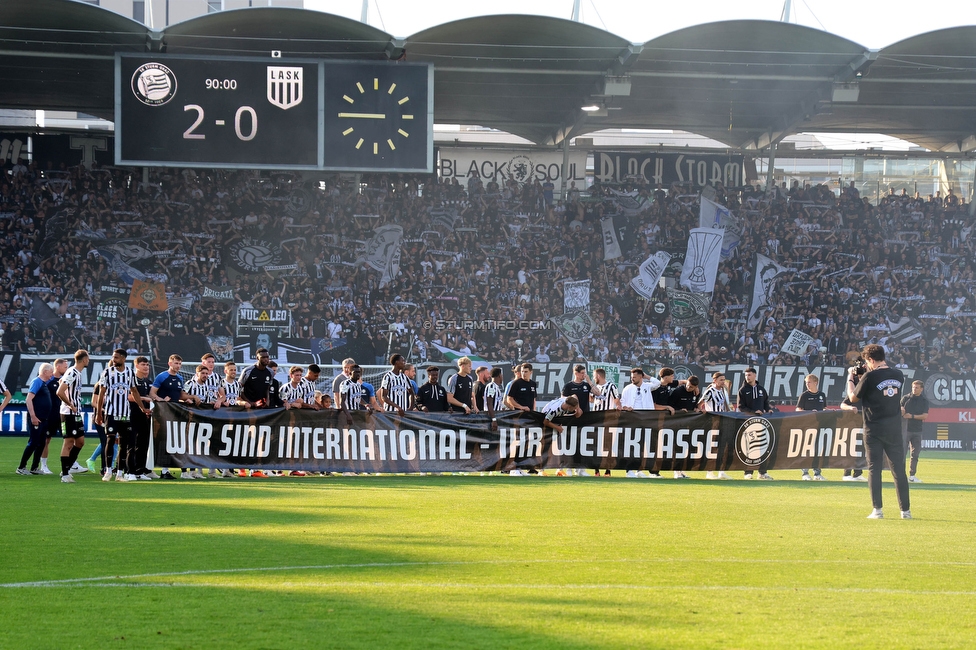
(880, 391)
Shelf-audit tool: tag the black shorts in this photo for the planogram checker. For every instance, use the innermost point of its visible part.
(117, 426)
(72, 426)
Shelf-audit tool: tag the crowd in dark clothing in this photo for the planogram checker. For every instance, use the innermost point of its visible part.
(485, 250)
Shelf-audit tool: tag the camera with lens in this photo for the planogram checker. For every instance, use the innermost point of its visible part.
(859, 367)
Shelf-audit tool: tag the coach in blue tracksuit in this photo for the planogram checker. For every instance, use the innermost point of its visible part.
(39, 407)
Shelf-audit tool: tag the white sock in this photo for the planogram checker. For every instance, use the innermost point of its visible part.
(44, 463)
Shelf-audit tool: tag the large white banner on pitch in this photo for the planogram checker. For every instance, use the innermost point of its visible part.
(500, 165)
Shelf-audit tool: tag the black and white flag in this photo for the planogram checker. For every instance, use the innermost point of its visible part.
(767, 270)
(701, 260)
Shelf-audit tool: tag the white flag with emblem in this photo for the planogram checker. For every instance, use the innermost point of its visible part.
(797, 343)
(285, 87)
(701, 260)
(650, 274)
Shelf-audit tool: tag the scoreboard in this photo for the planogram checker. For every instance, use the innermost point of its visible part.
(254, 113)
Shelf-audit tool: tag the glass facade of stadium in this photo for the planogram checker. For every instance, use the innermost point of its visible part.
(877, 175)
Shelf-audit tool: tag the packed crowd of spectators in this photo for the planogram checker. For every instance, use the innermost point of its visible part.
(482, 250)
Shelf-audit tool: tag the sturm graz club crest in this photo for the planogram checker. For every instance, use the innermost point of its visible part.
(153, 84)
(754, 441)
(252, 255)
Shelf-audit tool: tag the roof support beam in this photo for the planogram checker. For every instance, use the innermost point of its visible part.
(626, 58)
(787, 123)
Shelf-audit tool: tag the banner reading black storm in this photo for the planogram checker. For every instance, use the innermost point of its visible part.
(386, 443)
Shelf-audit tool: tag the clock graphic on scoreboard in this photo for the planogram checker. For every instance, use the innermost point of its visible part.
(378, 117)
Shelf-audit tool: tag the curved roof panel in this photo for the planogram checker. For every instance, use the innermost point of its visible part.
(522, 74)
(257, 31)
(59, 55)
(747, 83)
(921, 89)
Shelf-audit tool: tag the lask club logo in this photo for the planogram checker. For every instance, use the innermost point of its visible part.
(285, 87)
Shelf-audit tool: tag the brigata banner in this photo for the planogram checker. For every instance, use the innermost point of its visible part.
(332, 441)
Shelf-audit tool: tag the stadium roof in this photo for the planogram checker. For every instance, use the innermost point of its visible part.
(746, 83)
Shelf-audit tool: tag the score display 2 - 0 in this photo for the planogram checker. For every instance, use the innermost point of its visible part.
(273, 114)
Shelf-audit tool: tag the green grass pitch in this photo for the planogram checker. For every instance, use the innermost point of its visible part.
(486, 562)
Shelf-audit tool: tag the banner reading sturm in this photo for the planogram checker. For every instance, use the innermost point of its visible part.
(383, 442)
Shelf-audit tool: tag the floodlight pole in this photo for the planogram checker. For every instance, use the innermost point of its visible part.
(576, 11)
(769, 169)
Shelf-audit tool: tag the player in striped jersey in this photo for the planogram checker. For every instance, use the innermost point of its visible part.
(213, 378)
(494, 396)
(298, 393)
(230, 385)
(559, 407)
(72, 424)
(311, 376)
(200, 387)
(352, 395)
(204, 394)
(605, 397)
(115, 411)
(395, 393)
(714, 399)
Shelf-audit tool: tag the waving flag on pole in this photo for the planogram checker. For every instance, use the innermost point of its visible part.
(611, 247)
(767, 270)
(714, 215)
(651, 270)
(701, 260)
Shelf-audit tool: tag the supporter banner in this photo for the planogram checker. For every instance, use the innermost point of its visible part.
(10, 370)
(650, 274)
(576, 296)
(383, 252)
(576, 326)
(223, 294)
(668, 168)
(611, 246)
(688, 309)
(797, 342)
(248, 316)
(72, 150)
(701, 259)
(500, 165)
(612, 370)
(384, 442)
(108, 311)
(714, 215)
(150, 296)
(252, 254)
(766, 272)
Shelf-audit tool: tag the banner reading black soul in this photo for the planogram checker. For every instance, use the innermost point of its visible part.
(383, 442)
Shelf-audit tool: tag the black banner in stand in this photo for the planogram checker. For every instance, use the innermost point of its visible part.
(331, 441)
